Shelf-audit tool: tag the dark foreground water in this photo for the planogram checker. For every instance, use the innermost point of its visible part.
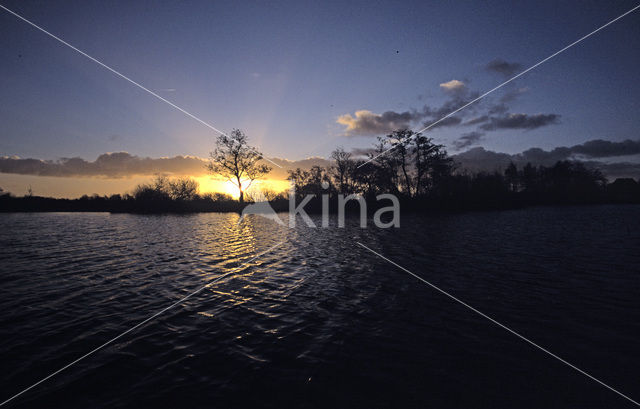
(319, 321)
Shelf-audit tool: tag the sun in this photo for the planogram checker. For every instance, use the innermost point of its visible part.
(209, 184)
(230, 189)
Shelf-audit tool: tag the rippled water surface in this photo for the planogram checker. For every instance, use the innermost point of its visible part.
(319, 321)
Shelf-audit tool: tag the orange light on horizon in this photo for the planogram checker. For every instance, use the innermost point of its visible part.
(210, 184)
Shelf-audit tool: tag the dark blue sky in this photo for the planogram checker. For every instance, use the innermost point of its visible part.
(285, 71)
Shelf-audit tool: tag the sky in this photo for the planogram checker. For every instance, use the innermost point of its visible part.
(301, 78)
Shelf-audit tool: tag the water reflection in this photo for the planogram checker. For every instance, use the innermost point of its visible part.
(318, 308)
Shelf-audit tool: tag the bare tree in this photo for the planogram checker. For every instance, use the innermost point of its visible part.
(183, 189)
(402, 140)
(235, 160)
(343, 164)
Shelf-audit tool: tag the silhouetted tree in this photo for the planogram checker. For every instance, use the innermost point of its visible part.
(438, 168)
(402, 140)
(422, 149)
(403, 162)
(385, 166)
(299, 178)
(236, 161)
(309, 181)
(217, 197)
(512, 177)
(343, 164)
(624, 190)
(157, 191)
(183, 189)
(364, 178)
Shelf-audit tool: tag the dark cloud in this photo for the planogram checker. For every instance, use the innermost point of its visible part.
(513, 94)
(599, 148)
(450, 121)
(617, 170)
(498, 109)
(503, 67)
(477, 120)
(113, 165)
(454, 103)
(502, 107)
(479, 159)
(467, 140)
(123, 164)
(282, 173)
(520, 121)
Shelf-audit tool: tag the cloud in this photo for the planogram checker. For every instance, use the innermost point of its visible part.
(520, 121)
(618, 170)
(456, 101)
(479, 159)
(513, 94)
(489, 114)
(123, 165)
(368, 123)
(503, 67)
(467, 140)
(112, 165)
(498, 109)
(287, 164)
(453, 86)
(449, 121)
(477, 120)
(599, 148)
(365, 122)
(502, 107)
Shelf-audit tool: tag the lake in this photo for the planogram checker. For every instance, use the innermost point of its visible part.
(319, 321)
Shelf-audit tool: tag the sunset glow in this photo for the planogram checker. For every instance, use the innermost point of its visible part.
(210, 184)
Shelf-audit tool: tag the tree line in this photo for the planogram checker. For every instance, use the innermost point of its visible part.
(409, 165)
(162, 195)
(424, 177)
(403, 163)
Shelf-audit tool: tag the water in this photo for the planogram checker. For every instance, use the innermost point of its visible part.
(319, 321)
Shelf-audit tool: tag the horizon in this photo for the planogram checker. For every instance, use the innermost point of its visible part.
(76, 177)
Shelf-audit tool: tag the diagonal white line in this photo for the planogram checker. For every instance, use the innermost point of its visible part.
(140, 324)
(510, 79)
(208, 125)
(499, 324)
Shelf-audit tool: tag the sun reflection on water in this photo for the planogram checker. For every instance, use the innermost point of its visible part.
(232, 246)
